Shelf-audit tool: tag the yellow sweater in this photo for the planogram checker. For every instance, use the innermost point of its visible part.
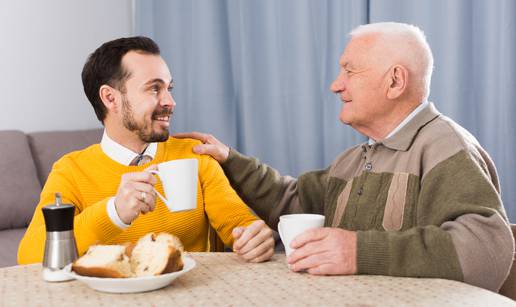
(89, 178)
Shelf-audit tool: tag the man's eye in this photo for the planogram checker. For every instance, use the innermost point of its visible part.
(349, 73)
(155, 89)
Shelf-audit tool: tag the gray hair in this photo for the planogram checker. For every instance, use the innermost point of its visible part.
(421, 52)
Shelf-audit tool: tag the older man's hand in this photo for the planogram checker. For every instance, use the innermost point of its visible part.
(325, 251)
(210, 145)
(254, 243)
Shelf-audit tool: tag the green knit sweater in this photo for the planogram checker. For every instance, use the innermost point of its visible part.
(424, 202)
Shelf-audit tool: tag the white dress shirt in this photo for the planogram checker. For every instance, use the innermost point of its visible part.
(124, 156)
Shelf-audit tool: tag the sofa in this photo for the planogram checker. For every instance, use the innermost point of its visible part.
(25, 162)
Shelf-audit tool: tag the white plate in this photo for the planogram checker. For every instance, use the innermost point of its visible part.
(133, 284)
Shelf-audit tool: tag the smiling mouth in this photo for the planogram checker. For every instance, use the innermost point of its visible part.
(344, 100)
(162, 118)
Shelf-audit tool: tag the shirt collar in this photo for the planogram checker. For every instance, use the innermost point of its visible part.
(404, 138)
(403, 122)
(121, 154)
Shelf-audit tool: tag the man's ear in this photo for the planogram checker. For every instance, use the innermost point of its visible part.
(110, 97)
(398, 78)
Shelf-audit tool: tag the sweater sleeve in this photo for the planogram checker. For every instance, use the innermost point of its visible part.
(91, 225)
(225, 210)
(463, 232)
(271, 195)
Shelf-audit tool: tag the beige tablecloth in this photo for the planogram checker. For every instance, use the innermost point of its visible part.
(221, 279)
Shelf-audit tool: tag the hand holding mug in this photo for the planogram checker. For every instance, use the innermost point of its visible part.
(292, 225)
(325, 251)
(135, 195)
(179, 180)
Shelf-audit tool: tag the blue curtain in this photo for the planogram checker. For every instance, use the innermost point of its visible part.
(256, 74)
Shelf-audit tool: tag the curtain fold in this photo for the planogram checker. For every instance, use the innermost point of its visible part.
(256, 74)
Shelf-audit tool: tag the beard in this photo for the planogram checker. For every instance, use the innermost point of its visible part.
(144, 130)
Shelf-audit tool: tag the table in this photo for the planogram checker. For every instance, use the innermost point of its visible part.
(222, 279)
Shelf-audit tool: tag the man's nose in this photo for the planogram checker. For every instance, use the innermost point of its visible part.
(168, 100)
(338, 84)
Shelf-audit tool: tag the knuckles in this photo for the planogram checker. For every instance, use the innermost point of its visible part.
(268, 232)
(210, 138)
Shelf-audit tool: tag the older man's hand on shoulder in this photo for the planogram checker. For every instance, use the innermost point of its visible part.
(210, 145)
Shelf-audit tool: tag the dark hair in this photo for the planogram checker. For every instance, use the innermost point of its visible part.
(104, 66)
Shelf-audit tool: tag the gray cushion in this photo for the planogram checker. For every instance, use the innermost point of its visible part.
(48, 147)
(20, 187)
(9, 241)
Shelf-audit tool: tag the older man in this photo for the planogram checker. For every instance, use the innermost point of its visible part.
(128, 85)
(421, 198)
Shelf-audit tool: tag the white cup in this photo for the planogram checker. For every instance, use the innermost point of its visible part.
(179, 180)
(292, 225)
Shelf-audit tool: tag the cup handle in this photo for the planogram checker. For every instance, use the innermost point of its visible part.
(158, 193)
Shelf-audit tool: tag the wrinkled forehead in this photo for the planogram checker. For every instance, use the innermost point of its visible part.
(361, 49)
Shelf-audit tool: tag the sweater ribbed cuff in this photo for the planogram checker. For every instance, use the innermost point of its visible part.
(372, 253)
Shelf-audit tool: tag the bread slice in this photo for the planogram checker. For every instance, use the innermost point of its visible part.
(104, 261)
(152, 255)
(156, 254)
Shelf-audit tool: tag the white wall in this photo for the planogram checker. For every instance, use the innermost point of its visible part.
(43, 47)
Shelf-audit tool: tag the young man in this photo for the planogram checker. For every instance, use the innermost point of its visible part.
(128, 85)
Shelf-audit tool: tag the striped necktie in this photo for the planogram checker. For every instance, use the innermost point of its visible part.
(140, 160)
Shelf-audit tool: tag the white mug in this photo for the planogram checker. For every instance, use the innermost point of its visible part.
(179, 180)
(292, 225)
